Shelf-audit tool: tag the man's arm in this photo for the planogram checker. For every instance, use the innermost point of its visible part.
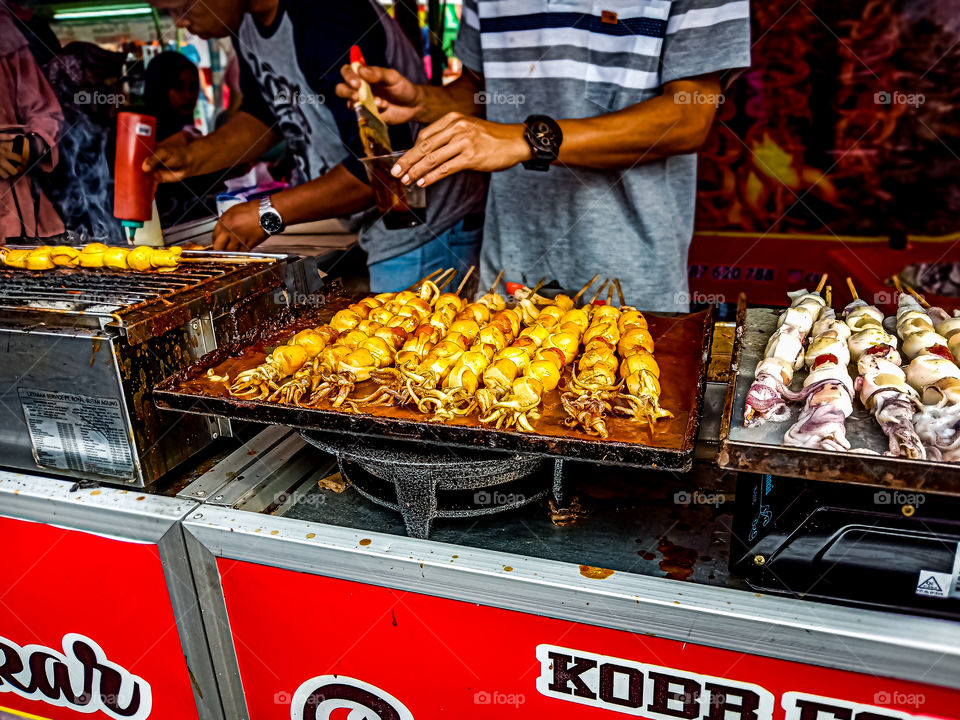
(647, 131)
(334, 194)
(241, 139)
(401, 101)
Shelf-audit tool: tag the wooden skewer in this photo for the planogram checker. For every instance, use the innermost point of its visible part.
(853, 290)
(423, 280)
(823, 281)
(539, 285)
(496, 282)
(465, 278)
(829, 296)
(610, 289)
(897, 284)
(449, 280)
(585, 288)
(616, 282)
(599, 290)
(920, 298)
(446, 275)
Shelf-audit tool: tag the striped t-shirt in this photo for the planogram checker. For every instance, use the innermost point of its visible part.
(575, 59)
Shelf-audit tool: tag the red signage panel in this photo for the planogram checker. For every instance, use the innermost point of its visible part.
(317, 648)
(87, 628)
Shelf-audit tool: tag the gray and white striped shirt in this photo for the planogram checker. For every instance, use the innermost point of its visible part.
(576, 59)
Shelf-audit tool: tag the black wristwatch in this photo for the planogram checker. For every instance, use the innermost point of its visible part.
(270, 219)
(544, 137)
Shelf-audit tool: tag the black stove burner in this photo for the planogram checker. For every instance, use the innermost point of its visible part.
(426, 481)
(881, 547)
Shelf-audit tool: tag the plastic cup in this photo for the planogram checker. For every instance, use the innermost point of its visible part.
(403, 206)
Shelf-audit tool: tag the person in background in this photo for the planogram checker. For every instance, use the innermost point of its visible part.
(231, 80)
(171, 91)
(290, 52)
(30, 119)
(589, 117)
(43, 42)
(88, 82)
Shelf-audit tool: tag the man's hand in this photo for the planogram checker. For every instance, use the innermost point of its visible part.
(172, 161)
(398, 99)
(238, 229)
(12, 164)
(461, 142)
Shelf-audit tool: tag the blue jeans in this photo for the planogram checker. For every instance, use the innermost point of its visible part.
(457, 248)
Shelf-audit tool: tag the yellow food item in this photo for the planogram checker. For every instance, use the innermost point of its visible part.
(546, 372)
(567, 343)
(116, 258)
(347, 319)
(310, 340)
(165, 259)
(91, 256)
(288, 358)
(637, 362)
(64, 256)
(40, 259)
(139, 258)
(633, 340)
(16, 258)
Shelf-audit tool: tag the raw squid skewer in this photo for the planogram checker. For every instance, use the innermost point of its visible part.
(932, 373)
(783, 355)
(881, 382)
(827, 390)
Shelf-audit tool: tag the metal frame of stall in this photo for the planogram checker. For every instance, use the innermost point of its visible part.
(113, 519)
(194, 540)
(906, 648)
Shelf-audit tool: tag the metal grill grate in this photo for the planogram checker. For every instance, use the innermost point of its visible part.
(101, 292)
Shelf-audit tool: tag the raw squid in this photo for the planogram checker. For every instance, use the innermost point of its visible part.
(766, 398)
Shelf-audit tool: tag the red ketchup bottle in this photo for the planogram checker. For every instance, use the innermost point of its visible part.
(133, 189)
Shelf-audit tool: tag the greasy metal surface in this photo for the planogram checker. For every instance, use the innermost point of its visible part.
(762, 450)
(140, 305)
(682, 344)
(631, 522)
(125, 354)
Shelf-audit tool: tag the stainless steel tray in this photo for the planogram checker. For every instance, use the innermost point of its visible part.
(762, 450)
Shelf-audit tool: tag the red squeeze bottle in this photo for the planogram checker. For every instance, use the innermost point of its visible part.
(356, 56)
(133, 189)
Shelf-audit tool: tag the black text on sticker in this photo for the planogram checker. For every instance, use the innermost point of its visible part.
(649, 690)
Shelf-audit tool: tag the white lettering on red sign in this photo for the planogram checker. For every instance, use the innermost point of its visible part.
(634, 688)
(320, 697)
(81, 678)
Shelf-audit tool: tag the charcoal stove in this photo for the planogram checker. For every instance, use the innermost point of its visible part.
(424, 482)
(83, 349)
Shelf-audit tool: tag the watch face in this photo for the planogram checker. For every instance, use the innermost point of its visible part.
(271, 221)
(543, 134)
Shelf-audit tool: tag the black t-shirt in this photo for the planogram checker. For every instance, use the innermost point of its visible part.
(322, 40)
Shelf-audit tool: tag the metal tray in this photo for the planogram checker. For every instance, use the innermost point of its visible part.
(761, 449)
(682, 344)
